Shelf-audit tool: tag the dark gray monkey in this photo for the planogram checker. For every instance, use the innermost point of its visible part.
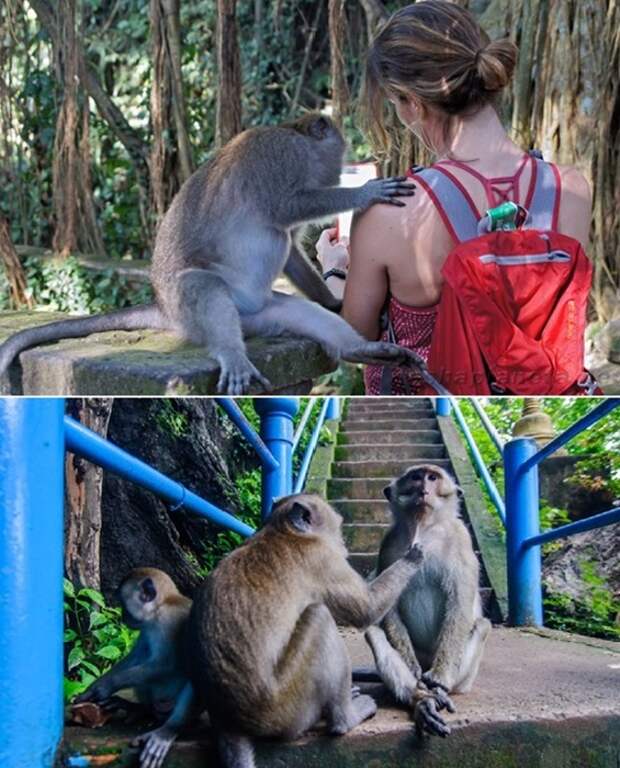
(227, 235)
(154, 667)
(266, 654)
(430, 644)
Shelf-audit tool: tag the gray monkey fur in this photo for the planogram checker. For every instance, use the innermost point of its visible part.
(227, 235)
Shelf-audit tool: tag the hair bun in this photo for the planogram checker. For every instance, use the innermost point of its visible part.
(495, 64)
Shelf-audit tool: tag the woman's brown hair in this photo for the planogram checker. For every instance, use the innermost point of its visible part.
(437, 51)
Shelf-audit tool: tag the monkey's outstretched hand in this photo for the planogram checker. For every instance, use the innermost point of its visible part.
(155, 746)
(415, 554)
(388, 190)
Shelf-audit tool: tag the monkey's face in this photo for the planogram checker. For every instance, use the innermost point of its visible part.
(422, 488)
(138, 597)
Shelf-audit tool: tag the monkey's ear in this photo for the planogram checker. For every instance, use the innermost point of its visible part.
(319, 128)
(148, 593)
(303, 519)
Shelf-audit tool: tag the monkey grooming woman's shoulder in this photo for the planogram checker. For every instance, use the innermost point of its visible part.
(154, 668)
(266, 652)
(227, 235)
(430, 644)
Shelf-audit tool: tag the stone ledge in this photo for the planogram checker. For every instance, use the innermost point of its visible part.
(149, 363)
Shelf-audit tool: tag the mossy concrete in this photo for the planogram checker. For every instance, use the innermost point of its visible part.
(320, 467)
(486, 526)
(148, 363)
(542, 700)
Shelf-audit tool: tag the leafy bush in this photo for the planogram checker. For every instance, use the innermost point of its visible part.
(65, 285)
(95, 638)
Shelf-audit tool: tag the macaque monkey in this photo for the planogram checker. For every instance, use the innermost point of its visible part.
(266, 653)
(153, 668)
(430, 644)
(227, 235)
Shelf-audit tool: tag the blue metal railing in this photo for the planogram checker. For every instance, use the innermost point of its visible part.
(521, 511)
(34, 434)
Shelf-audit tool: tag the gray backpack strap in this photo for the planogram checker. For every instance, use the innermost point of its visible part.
(451, 200)
(544, 204)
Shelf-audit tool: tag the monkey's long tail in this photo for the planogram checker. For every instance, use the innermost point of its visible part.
(129, 319)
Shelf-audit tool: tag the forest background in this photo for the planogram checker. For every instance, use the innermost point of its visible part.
(107, 106)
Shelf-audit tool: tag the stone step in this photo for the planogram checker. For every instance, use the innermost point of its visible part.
(364, 537)
(387, 425)
(370, 488)
(392, 437)
(379, 404)
(397, 452)
(408, 414)
(361, 401)
(389, 469)
(363, 510)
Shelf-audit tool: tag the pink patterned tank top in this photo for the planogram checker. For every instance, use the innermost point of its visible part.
(413, 327)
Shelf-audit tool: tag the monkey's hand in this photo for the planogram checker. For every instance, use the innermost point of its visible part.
(236, 374)
(155, 746)
(427, 718)
(98, 693)
(415, 554)
(386, 191)
(439, 690)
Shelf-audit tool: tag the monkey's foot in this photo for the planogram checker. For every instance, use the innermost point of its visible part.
(237, 373)
(361, 708)
(155, 746)
(382, 353)
(427, 718)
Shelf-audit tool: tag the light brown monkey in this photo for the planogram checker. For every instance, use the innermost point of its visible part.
(154, 666)
(267, 656)
(430, 644)
(227, 235)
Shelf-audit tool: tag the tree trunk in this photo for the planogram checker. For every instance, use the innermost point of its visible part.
(340, 89)
(84, 482)
(228, 110)
(375, 13)
(65, 164)
(13, 268)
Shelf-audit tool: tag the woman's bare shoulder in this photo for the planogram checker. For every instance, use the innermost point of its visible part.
(574, 182)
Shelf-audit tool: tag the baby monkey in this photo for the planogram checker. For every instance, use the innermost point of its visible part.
(227, 235)
(430, 644)
(267, 655)
(153, 668)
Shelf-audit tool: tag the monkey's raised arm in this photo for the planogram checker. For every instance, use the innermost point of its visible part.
(357, 604)
(311, 204)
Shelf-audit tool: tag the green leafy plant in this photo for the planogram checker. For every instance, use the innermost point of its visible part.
(95, 638)
(170, 419)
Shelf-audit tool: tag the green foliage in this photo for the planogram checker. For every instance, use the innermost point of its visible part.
(95, 638)
(170, 419)
(65, 285)
(595, 615)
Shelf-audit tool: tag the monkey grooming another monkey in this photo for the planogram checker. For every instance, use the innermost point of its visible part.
(266, 653)
(430, 644)
(153, 668)
(227, 235)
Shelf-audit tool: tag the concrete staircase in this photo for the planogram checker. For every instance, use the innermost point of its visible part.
(378, 439)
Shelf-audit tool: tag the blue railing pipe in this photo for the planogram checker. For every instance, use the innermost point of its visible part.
(86, 443)
(276, 429)
(247, 430)
(597, 413)
(487, 424)
(484, 473)
(31, 568)
(522, 523)
(314, 439)
(333, 409)
(588, 524)
(302, 423)
(442, 406)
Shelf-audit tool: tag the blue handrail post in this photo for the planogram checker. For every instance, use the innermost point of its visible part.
(31, 601)
(522, 522)
(276, 429)
(442, 406)
(333, 409)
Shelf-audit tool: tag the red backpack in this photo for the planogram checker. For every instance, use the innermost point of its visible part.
(512, 312)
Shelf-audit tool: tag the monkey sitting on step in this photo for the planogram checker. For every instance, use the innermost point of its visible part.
(227, 235)
(267, 656)
(430, 644)
(153, 668)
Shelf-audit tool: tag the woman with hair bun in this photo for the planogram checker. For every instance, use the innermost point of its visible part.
(443, 75)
